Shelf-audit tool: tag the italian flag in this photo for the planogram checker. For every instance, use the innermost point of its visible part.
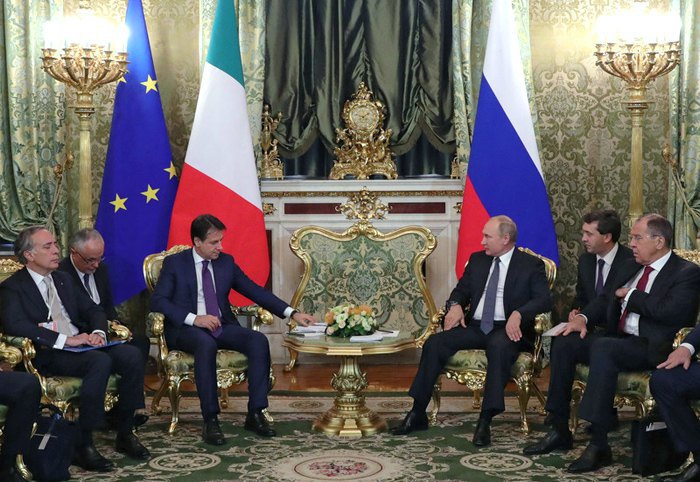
(219, 176)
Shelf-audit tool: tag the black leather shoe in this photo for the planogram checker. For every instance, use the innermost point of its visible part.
(11, 474)
(130, 445)
(690, 474)
(211, 432)
(552, 441)
(482, 434)
(256, 422)
(90, 459)
(413, 421)
(591, 459)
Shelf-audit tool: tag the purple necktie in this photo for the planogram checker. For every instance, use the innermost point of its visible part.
(210, 303)
(599, 284)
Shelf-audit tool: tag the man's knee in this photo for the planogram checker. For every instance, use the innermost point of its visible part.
(662, 382)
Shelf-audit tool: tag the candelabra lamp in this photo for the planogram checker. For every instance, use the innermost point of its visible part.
(638, 46)
(85, 53)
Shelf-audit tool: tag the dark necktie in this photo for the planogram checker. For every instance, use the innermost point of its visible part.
(210, 303)
(86, 282)
(600, 283)
(489, 310)
(641, 286)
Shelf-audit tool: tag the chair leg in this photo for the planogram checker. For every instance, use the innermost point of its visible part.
(155, 403)
(576, 395)
(476, 404)
(293, 355)
(432, 418)
(22, 468)
(174, 392)
(223, 397)
(540, 396)
(524, 383)
(267, 415)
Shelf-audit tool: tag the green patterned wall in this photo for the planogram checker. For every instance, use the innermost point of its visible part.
(584, 129)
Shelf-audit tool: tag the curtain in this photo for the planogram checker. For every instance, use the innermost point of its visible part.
(32, 119)
(685, 129)
(318, 52)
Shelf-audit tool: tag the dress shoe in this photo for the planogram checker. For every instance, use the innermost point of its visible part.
(413, 421)
(690, 474)
(11, 474)
(554, 440)
(256, 422)
(482, 434)
(90, 459)
(130, 445)
(211, 432)
(591, 459)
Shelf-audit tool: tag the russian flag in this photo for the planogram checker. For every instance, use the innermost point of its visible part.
(504, 175)
(219, 175)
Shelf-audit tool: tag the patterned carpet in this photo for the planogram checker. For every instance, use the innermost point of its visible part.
(444, 452)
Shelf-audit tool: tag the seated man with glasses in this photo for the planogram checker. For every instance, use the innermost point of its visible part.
(85, 265)
(652, 297)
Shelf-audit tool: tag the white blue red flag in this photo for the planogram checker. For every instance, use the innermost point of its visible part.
(504, 174)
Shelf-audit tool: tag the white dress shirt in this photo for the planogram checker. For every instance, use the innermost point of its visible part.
(608, 258)
(632, 320)
(94, 294)
(499, 314)
(44, 290)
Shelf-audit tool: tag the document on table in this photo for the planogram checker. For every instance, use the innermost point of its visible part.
(376, 336)
(555, 331)
(315, 328)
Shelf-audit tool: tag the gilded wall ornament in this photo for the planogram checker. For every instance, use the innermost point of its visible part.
(364, 206)
(271, 166)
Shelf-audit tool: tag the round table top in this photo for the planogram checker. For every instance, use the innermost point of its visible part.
(338, 346)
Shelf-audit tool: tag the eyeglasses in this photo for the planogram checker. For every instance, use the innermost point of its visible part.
(639, 237)
(90, 260)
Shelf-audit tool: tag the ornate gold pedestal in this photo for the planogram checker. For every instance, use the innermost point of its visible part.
(349, 416)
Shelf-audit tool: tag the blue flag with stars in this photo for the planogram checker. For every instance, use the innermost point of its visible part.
(140, 181)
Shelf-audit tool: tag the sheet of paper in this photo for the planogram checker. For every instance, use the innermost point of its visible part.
(311, 329)
(376, 336)
(555, 331)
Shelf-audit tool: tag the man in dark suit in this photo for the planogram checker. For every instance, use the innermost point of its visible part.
(674, 385)
(503, 290)
(597, 268)
(654, 296)
(85, 265)
(43, 304)
(192, 292)
(21, 393)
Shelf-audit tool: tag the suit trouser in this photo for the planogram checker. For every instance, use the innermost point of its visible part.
(567, 351)
(21, 392)
(203, 346)
(609, 357)
(94, 367)
(501, 353)
(673, 390)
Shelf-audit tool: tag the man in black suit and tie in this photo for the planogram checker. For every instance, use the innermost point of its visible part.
(192, 292)
(43, 304)
(85, 265)
(674, 385)
(653, 296)
(21, 393)
(502, 289)
(597, 268)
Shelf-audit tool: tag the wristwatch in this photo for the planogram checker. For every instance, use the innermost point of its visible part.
(449, 304)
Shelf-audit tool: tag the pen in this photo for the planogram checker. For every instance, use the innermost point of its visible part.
(291, 333)
(385, 331)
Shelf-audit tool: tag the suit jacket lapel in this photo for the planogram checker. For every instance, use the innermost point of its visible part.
(34, 296)
(666, 272)
(190, 275)
(511, 276)
(220, 284)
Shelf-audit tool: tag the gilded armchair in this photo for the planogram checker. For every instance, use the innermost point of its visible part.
(176, 366)
(468, 367)
(632, 387)
(11, 356)
(364, 266)
(61, 391)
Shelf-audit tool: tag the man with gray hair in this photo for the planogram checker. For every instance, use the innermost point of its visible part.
(43, 304)
(500, 318)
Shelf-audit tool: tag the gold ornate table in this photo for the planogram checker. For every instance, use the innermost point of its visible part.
(349, 416)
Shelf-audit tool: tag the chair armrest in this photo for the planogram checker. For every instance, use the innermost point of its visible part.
(10, 354)
(117, 331)
(680, 336)
(260, 315)
(28, 352)
(435, 323)
(156, 322)
(543, 322)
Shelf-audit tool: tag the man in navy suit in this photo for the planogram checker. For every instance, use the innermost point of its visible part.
(673, 386)
(21, 393)
(85, 265)
(653, 296)
(597, 268)
(192, 292)
(502, 289)
(43, 304)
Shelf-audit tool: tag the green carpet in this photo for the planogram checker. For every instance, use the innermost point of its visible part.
(444, 452)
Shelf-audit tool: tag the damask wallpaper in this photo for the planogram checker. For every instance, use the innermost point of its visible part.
(583, 127)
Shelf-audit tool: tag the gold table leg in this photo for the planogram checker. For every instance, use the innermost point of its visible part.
(349, 416)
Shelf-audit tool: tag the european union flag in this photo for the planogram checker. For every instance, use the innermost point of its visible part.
(140, 180)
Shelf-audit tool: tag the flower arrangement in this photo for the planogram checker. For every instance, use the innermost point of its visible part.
(347, 320)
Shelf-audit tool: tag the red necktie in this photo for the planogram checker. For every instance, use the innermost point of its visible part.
(641, 286)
